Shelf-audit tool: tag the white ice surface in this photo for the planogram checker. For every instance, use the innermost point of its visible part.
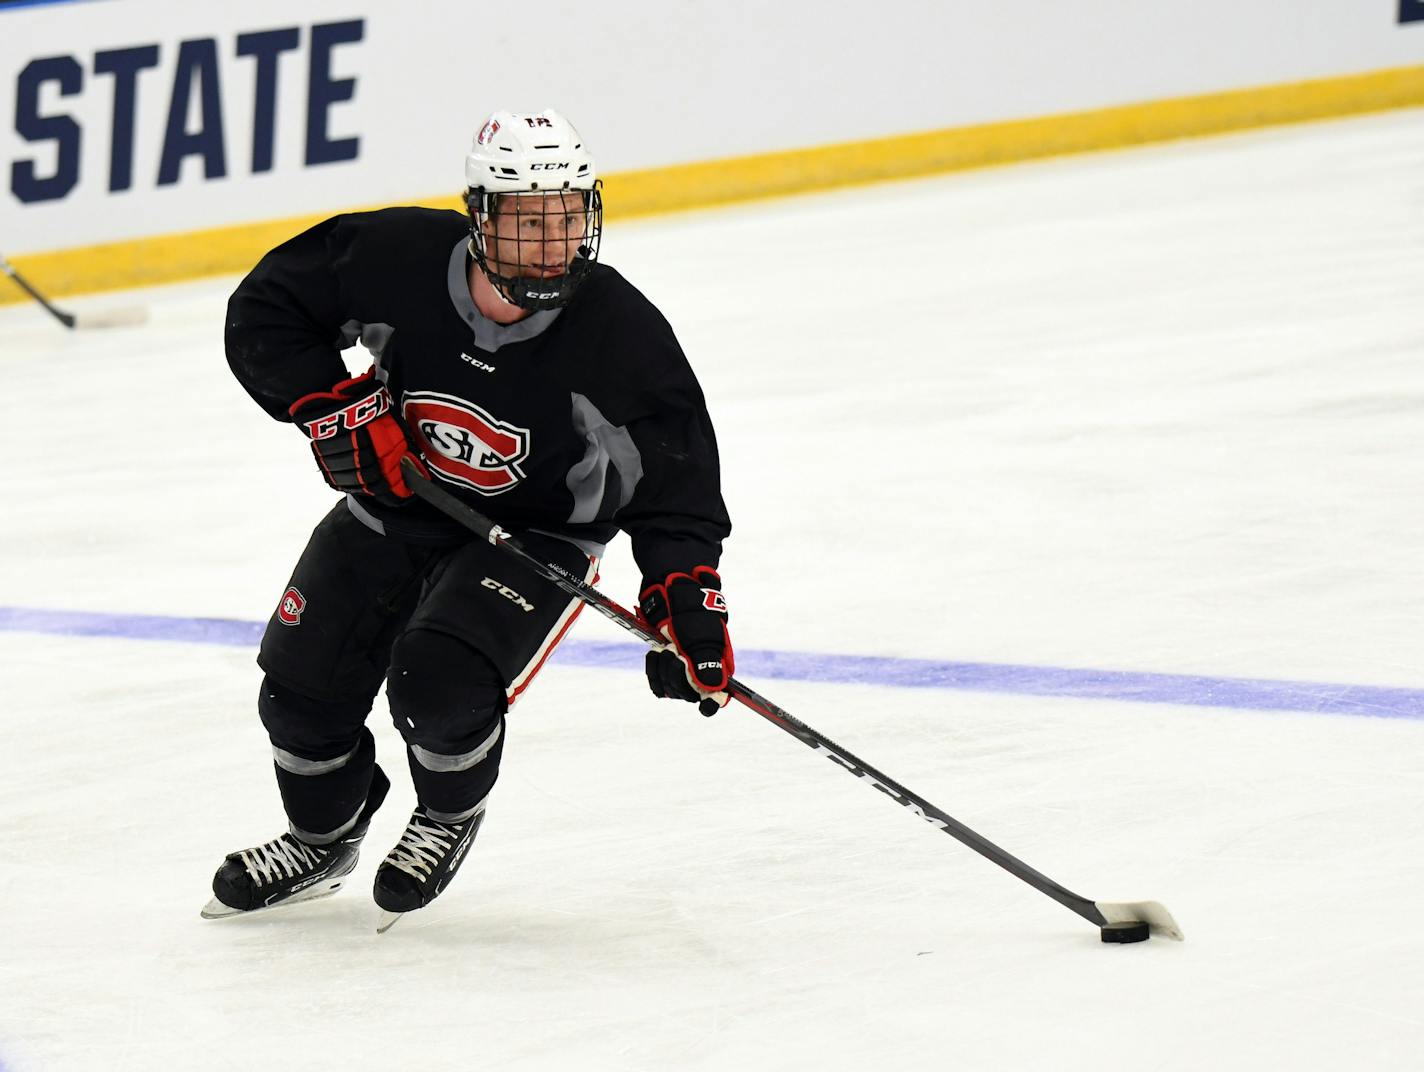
(1157, 411)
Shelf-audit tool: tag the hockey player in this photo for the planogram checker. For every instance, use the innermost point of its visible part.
(520, 373)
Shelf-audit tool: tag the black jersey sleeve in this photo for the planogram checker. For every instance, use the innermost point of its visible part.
(676, 518)
(283, 331)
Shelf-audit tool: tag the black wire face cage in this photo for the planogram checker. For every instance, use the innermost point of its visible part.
(536, 247)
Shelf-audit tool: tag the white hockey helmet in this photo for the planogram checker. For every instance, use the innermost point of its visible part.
(532, 154)
(524, 153)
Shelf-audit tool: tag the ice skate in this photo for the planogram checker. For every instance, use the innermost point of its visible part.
(287, 870)
(422, 864)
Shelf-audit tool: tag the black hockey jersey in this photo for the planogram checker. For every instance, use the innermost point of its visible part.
(576, 421)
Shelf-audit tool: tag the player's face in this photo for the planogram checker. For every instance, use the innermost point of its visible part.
(535, 236)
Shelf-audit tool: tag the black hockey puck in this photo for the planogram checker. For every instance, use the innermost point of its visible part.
(1133, 930)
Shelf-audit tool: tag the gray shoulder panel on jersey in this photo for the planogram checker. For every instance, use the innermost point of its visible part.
(489, 336)
(373, 337)
(603, 480)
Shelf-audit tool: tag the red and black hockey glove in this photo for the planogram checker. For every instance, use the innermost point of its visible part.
(356, 439)
(690, 610)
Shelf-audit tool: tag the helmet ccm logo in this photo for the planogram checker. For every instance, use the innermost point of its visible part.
(562, 166)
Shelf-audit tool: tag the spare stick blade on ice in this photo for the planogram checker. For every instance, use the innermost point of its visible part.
(103, 318)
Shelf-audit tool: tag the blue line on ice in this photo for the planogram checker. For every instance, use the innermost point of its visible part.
(14, 5)
(1242, 693)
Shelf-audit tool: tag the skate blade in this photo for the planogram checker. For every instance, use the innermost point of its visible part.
(386, 920)
(215, 909)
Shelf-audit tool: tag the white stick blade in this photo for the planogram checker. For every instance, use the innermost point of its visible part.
(1155, 915)
(112, 318)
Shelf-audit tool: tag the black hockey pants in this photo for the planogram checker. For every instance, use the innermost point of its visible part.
(457, 633)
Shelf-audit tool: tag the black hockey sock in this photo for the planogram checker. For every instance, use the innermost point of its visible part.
(456, 792)
(323, 795)
(447, 700)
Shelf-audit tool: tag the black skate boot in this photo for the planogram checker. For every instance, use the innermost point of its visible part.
(422, 864)
(286, 869)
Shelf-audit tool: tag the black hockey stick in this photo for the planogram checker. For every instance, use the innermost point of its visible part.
(113, 318)
(1120, 921)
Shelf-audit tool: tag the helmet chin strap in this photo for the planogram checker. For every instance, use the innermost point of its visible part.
(498, 283)
(501, 289)
(537, 294)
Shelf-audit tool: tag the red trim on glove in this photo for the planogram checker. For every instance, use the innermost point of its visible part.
(356, 407)
(713, 602)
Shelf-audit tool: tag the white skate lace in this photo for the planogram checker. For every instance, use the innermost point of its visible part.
(285, 854)
(422, 847)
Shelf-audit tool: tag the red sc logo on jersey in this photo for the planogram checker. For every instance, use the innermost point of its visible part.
(289, 611)
(464, 444)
